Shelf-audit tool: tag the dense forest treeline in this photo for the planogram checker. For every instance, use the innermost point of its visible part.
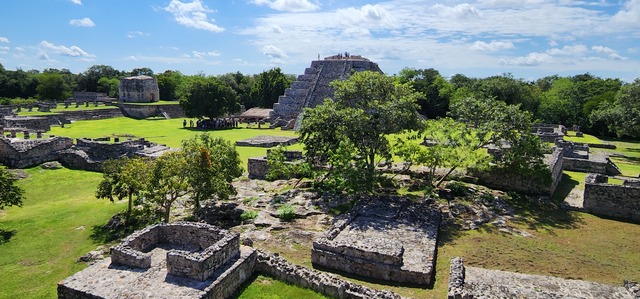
(600, 106)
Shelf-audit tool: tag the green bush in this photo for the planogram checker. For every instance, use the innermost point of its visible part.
(286, 212)
(248, 215)
(457, 188)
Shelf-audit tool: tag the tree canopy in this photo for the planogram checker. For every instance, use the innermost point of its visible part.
(11, 194)
(208, 97)
(350, 132)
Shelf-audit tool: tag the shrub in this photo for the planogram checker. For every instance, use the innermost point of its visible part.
(457, 188)
(286, 212)
(248, 215)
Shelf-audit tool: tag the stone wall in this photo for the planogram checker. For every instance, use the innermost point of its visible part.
(146, 111)
(104, 150)
(20, 153)
(611, 200)
(501, 180)
(327, 284)
(595, 164)
(138, 89)
(32, 123)
(312, 88)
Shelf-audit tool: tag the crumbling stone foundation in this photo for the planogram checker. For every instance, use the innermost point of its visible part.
(622, 201)
(389, 238)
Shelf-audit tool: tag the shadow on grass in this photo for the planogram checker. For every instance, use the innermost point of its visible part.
(545, 215)
(6, 235)
(563, 189)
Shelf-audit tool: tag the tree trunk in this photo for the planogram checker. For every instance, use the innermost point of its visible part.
(167, 212)
(129, 208)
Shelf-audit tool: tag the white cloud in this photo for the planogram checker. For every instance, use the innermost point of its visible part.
(273, 52)
(491, 46)
(532, 59)
(568, 50)
(202, 55)
(356, 32)
(630, 15)
(72, 51)
(134, 34)
(4, 39)
(78, 2)
(4, 50)
(84, 22)
(289, 5)
(611, 53)
(372, 16)
(193, 15)
(460, 11)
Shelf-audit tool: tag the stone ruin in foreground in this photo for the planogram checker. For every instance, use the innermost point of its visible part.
(470, 282)
(389, 238)
(312, 88)
(194, 260)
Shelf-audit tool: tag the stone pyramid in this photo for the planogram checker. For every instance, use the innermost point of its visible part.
(312, 88)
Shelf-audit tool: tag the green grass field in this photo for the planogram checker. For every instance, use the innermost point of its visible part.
(165, 131)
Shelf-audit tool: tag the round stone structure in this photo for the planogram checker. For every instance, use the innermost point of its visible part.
(138, 89)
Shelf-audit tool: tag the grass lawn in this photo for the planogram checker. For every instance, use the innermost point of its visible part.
(165, 131)
(35, 112)
(50, 231)
(264, 287)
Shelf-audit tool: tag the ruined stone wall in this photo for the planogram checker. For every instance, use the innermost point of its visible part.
(20, 153)
(594, 164)
(146, 111)
(28, 122)
(138, 89)
(312, 88)
(603, 198)
(522, 182)
(323, 283)
(104, 150)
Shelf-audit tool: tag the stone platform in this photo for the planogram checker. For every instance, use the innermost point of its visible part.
(267, 141)
(389, 238)
(472, 282)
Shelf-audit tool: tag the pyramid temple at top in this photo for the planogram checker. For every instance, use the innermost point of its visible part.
(312, 88)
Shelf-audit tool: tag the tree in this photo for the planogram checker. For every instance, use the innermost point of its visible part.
(110, 86)
(623, 116)
(88, 80)
(11, 194)
(124, 177)
(242, 85)
(351, 132)
(213, 164)
(168, 83)
(169, 181)
(209, 97)
(505, 126)
(268, 87)
(437, 91)
(452, 145)
(51, 86)
(145, 71)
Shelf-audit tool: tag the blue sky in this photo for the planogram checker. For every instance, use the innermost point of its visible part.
(479, 38)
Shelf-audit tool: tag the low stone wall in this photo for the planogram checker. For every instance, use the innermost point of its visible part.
(507, 181)
(606, 199)
(214, 248)
(327, 284)
(471, 282)
(31, 123)
(257, 168)
(146, 111)
(103, 150)
(20, 153)
(596, 164)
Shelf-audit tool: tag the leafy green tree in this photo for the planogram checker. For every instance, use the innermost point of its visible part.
(168, 83)
(169, 181)
(623, 116)
(51, 86)
(145, 71)
(124, 178)
(11, 194)
(88, 80)
(507, 89)
(213, 163)
(368, 107)
(453, 145)
(436, 90)
(242, 85)
(268, 87)
(502, 125)
(109, 86)
(209, 97)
